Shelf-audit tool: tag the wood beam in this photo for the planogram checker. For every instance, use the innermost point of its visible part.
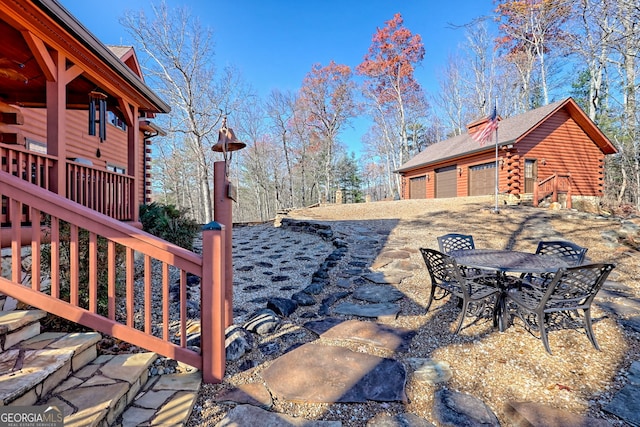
(12, 138)
(12, 118)
(40, 52)
(125, 107)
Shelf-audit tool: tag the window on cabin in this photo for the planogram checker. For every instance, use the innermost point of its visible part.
(117, 121)
(116, 168)
(36, 146)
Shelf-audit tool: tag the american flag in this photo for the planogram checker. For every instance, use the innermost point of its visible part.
(485, 134)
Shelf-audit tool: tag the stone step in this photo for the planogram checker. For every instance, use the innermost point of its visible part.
(63, 370)
(18, 325)
(97, 394)
(32, 368)
(166, 400)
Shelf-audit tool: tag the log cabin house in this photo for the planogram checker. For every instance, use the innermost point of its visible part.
(76, 121)
(73, 108)
(553, 152)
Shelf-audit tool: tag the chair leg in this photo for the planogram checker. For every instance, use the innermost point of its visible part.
(433, 292)
(465, 306)
(587, 327)
(543, 332)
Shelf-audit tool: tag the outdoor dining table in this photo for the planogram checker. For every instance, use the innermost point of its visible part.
(506, 261)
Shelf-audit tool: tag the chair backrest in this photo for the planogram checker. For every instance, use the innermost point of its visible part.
(575, 287)
(455, 242)
(570, 252)
(443, 269)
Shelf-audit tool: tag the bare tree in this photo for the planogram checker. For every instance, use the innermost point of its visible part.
(281, 109)
(588, 38)
(179, 55)
(451, 99)
(532, 30)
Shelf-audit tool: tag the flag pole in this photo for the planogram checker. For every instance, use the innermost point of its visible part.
(496, 210)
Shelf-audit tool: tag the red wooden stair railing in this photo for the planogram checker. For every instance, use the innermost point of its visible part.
(27, 206)
(552, 186)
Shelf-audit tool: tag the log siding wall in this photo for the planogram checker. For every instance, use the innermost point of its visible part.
(565, 148)
(113, 150)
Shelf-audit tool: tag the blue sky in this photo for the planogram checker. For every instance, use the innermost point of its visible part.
(274, 43)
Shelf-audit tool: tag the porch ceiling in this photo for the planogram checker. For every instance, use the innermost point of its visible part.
(22, 81)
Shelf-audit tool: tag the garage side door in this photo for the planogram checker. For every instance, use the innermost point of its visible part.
(418, 187)
(482, 179)
(446, 182)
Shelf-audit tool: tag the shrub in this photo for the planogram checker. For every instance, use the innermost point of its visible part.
(169, 223)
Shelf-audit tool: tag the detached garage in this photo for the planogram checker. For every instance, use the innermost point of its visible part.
(546, 151)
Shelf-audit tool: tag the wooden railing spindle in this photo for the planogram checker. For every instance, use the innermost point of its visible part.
(111, 280)
(35, 249)
(148, 302)
(130, 282)
(74, 273)
(93, 272)
(55, 257)
(165, 301)
(183, 308)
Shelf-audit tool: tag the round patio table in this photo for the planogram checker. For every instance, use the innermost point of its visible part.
(506, 261)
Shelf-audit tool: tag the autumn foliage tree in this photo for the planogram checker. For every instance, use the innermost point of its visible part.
(390, 84)
(327, 97)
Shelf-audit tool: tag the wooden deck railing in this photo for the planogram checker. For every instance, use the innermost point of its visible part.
(552, 186)
(103, 191)
(152, 320)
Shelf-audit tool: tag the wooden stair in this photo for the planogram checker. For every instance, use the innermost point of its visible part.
(65, 371)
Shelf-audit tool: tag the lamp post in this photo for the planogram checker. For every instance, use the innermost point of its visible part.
(224, 193)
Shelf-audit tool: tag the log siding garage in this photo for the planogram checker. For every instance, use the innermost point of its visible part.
(558, 138)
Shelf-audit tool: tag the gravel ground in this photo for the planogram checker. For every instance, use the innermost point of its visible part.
(495, 367)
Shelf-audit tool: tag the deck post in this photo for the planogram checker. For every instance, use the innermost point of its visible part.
(212, 302)
(222, 214)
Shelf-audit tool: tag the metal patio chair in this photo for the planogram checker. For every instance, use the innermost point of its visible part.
(572, 289)
(570, 252)
(478, 296)
(455, 242)
(460, 242)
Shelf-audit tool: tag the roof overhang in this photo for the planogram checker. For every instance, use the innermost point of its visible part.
(150, 128)
(448, 159)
